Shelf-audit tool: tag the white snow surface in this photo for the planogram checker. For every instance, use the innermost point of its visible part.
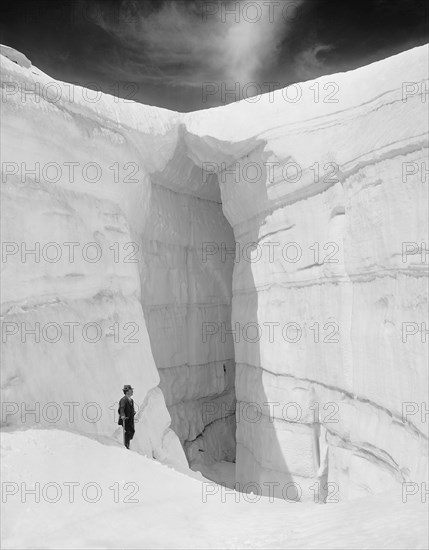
(169, 509)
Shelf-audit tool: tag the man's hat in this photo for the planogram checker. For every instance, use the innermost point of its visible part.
(127, 387)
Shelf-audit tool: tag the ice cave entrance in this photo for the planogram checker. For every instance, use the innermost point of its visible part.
(188, 248)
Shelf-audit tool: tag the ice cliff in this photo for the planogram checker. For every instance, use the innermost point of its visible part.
(317, 189)
(332, 191)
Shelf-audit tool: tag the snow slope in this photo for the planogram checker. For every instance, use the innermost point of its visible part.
(169, 509)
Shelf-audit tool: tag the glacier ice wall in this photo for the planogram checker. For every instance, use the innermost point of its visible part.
(322, 187)
(330, 187)
(65, 371)
(112, 178)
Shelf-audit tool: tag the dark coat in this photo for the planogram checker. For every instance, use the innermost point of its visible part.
(126, 408)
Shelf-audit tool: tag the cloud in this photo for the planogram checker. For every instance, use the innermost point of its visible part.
(187, 43)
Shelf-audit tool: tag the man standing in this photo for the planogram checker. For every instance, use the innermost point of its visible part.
(126, 414)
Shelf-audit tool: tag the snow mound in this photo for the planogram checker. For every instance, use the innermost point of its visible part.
(140, 503)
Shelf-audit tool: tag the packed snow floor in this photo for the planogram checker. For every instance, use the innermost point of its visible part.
(168, 509)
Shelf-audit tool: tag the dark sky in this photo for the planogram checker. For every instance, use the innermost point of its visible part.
(185, 55)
